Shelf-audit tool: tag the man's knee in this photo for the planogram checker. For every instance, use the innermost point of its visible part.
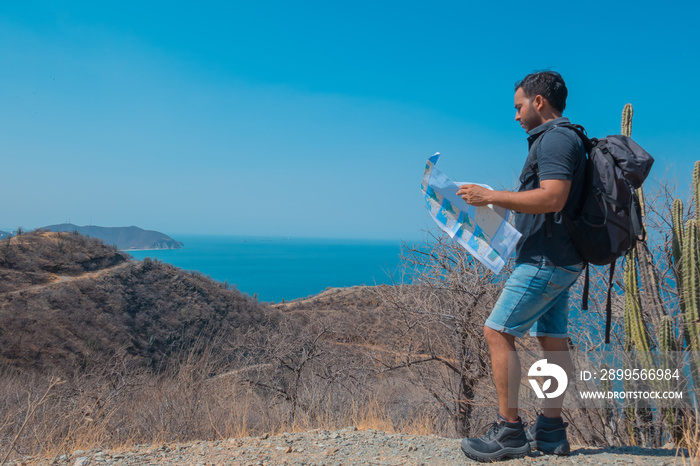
(553, 343)
(496, 338)
(491, 334)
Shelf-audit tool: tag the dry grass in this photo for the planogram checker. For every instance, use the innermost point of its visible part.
(689, 448)
(202, 397)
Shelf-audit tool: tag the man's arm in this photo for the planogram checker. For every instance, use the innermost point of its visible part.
(549, 197)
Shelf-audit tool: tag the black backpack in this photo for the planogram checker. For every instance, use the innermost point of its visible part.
(608, 219)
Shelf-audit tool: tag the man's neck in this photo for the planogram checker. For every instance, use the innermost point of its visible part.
(549, 116)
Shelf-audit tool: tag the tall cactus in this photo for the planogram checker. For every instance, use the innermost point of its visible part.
(626, 130)
(696, 188)
(639, 417)
(677, 248)
(686, 260)
(685, 252)
(677, 230)
(691, 281)
(651, 306)
(635, 325)
(627, 114)
(650, 322)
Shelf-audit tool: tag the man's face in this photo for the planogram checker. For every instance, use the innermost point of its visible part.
(525, 112)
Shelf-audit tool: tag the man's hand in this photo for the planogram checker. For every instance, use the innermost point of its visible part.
(474, 194)
(549, 197)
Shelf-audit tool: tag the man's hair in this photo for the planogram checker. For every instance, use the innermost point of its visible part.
(548, 84)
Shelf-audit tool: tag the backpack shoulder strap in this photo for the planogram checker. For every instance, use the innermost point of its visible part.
(608, 304)
(588, 146)
(548, 218)
(581, 131)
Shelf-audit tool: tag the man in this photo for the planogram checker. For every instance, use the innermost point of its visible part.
(536, 294)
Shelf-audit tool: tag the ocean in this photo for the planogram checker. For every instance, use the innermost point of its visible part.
(284, 268)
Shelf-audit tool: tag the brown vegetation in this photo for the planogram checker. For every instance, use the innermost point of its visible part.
(145, 311)
(148, 353)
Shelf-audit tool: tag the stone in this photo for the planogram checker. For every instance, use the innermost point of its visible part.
(82, 461)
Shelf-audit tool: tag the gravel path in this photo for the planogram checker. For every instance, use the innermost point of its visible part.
(343, 447)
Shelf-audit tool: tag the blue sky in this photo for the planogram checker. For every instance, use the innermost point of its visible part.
(311, 118)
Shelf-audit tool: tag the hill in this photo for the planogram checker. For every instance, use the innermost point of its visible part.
(67, 301)
(124, 238)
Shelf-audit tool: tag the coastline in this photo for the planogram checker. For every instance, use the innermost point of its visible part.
(150, 249)
(276, 269)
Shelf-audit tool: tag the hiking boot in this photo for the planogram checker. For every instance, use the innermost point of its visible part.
(549, 435)
(503, 440)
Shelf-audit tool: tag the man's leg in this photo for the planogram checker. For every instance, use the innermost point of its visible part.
(556, 350)
(506, 438)
(548, 432)
(518, 307)
(506, 371)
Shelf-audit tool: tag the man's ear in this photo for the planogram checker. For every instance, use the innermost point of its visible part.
(538, 102)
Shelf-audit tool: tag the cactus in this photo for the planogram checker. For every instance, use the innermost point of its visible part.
(691, 282)
(639, 416)
(626, 130)
(632, 300)
(687, 265)
(696, 188)
(645, 310)
(627, 114)
(668, 344)
(686, 259)
(691, 295)
(649, 295)
(636, 328)
(635, 325)
(666, 336)
(677, 231)
(677, 248)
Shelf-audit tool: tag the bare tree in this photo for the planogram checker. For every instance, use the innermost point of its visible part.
(441, 310)
(303, 372)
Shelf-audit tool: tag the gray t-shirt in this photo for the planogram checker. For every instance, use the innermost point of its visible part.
(559, 155)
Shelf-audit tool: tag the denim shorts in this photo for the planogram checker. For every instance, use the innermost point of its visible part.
(535, 297)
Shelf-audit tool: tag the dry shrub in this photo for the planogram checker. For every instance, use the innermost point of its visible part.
(689, 448)
(440, 316)
(647, 425)
(286, 379)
